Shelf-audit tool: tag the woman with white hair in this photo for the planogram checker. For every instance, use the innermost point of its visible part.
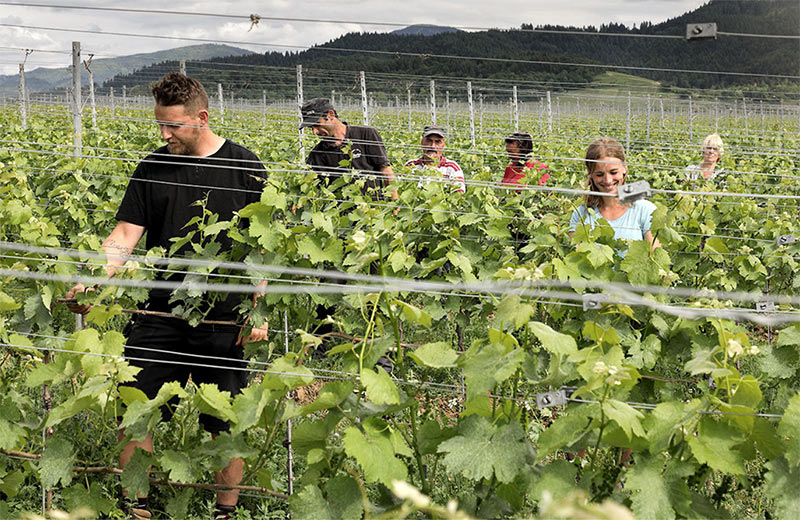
(707, 169)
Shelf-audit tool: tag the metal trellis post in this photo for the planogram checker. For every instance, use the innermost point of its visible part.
(364, 105)
(221, 99)
(516, 109)
(76, 98)
(182, 67)
(471, 112)
(433, 102)
(549, 114)
(299, 112)
(289, 451)
(628, 125)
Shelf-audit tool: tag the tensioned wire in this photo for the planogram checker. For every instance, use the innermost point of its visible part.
(403, 178)
(398, 53)
(397, 284)
(776, 150)
(347, 376)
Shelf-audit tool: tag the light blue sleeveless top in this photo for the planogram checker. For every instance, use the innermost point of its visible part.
(632, 225)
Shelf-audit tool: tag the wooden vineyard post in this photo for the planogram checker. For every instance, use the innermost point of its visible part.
(111, 100)
(447, 109)
(516, 109)
(264, 106)
(661, 106)
(761, 109)
(396, 107)
(471, 113)
(232, 106)
(221, 104)
(558, 112)
(647, 131)
(433, 102)
(124, 98)
(300, 113)
(691, 119)
(364, 106)
(716, 115)
(76, 99)
(23, 109)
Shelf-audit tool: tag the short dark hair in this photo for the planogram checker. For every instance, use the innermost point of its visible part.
(524, 140)
(178, 89)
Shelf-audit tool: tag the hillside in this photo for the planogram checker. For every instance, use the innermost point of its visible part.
(727, 54)
(43, 79)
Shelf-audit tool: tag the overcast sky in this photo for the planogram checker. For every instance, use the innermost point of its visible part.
(497, 13)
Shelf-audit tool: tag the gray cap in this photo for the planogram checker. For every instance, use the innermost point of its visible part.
(313, 110)
(434, 130)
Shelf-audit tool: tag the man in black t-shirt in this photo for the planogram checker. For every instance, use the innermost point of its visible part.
(361, 146)
(195, 164)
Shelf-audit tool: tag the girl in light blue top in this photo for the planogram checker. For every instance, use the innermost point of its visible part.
(606, 172)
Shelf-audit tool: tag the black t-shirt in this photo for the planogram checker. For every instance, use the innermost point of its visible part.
(162, 192)
(362, 147)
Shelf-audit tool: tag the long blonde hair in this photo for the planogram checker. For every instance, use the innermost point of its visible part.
(602, 147)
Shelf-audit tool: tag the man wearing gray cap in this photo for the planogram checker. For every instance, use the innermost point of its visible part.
(365, 153)
(433, 143)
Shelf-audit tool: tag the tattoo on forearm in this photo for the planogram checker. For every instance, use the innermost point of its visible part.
(122, 250)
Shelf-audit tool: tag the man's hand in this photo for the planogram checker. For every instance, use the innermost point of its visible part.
(72, 293)
(257, 334)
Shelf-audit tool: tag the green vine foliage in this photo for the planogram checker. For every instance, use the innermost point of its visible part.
(357, 431)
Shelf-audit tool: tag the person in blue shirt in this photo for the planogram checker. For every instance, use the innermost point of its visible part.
(606, 172)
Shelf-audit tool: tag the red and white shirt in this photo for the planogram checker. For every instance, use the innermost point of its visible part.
(450, 170)
(516, 172)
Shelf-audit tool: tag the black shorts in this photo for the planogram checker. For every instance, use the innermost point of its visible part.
(184, 344)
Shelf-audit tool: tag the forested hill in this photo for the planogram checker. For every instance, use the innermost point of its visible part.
(729, 54)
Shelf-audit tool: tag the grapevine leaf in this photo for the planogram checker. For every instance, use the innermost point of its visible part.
(10, 434)
(178, 504)
(781, 486)
(747, 393)
(290, 373)
(646, 353)
(178, 465)
(430, 435)
(766, 438)
(487, 365)
(249, 405)
(789, 428)
(77, 496)
(435, 355)
(566, 429)
(330, 395)
(553, 341)
(375, 455)
(56, 463)
(649, 493)
(512, 311)
(134, 475)
(714, 444)
(7, 303)
(309, 504)
(481, 449)
(557, 478)
(779, 361)
(380, 387)
(597, 254)
(790, 336)
(414, 314)
(213, 401)
(662, 423)
(10, 484)
(628, 418)
(344, 498)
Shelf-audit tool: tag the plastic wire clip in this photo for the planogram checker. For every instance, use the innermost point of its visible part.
(558, 397)
(701, 31)
(593, 301)
(785, 239)
(634, 191)
(765, 306)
